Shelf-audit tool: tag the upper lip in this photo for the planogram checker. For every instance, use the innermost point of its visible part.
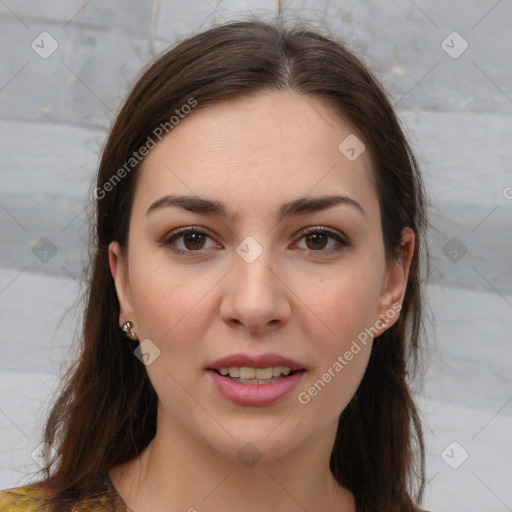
(253, 361)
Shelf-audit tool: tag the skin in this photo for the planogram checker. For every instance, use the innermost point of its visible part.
(299, 298)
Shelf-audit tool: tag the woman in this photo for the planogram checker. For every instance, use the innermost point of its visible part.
(255, 301)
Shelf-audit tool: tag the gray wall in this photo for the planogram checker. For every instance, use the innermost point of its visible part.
(64, 69)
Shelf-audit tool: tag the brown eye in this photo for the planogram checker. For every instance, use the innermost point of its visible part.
(186, 240)
(317, 241)
(194, 241)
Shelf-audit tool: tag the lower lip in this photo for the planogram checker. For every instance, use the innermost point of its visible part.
(255, 394)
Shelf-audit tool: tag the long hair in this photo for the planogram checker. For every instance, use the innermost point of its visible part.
(106, 411)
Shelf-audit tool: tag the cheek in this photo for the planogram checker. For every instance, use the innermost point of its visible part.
(169, 304)
(328, 391)
(346, 302)
(172, 311)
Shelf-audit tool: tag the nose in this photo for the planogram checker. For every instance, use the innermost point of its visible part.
(256, 295)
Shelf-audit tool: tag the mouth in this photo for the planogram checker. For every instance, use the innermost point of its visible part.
(256, 376)
(255, 380)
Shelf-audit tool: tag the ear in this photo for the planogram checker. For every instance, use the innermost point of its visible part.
(119, 271)
(395, 283)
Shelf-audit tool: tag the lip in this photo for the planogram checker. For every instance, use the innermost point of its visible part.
(255, 394)
(253, 361)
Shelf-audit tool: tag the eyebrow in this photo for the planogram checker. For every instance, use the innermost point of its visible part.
(298, 206)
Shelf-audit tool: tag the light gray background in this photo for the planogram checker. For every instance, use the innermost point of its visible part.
(54, 115)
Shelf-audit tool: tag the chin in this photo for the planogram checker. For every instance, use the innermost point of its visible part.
(249, 442)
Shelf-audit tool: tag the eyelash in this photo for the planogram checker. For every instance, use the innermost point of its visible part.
(343, 243)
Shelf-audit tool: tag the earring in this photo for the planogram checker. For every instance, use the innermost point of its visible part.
(127, 328)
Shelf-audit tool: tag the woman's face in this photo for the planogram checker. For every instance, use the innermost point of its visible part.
(242, 179)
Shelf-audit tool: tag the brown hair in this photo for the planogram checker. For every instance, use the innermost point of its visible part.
(106, 412)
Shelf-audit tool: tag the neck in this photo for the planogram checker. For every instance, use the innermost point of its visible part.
(180, 470)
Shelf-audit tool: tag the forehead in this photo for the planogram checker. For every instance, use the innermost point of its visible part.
(255, 149)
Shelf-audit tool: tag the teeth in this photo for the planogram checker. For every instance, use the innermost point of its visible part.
(264, 373)
(234, 371)
(247, 373)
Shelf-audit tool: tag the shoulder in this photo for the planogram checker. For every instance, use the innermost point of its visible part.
(28, 498)
(34, 498)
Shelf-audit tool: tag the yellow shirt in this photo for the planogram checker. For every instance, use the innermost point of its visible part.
(28, 498)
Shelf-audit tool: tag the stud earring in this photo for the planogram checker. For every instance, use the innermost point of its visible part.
(127, 328)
